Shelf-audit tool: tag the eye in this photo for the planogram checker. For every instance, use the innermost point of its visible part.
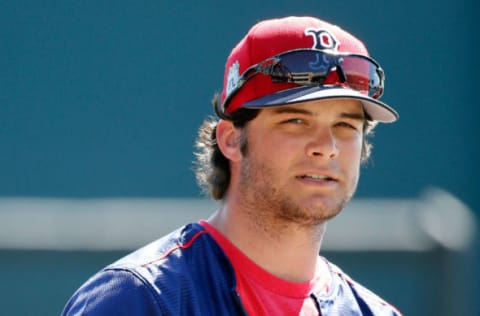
(295, 120)
(348, 125)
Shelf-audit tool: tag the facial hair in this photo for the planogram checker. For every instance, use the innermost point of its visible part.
(267, 201)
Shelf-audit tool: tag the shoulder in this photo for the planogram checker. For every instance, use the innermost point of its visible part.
(176, 244)
(106, 293)
(367, 301)
(152, 279)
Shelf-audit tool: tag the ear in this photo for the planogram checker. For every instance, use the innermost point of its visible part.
(227, 140)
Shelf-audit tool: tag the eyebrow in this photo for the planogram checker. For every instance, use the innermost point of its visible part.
(354, 116)
(293, 110)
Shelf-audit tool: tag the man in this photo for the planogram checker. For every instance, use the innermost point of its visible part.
(299, 98)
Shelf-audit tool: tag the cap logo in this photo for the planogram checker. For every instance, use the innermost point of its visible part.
(322, 39)
(233, 77)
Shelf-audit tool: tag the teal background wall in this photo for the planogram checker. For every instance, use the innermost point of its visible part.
(103, 99)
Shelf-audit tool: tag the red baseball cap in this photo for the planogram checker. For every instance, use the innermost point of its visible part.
(274, 37)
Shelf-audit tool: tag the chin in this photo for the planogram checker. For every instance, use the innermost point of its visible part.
(311, 215)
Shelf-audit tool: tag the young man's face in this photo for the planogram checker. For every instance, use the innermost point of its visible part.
(302, 161)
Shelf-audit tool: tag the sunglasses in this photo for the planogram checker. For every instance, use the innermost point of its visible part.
(309, 67)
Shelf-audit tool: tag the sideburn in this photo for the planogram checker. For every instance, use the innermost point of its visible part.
(243, 141)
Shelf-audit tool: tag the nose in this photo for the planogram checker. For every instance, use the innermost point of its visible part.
(323, 145)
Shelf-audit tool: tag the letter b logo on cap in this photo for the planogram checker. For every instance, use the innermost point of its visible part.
(322, 39)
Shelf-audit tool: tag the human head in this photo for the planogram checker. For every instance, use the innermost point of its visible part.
(287, 61)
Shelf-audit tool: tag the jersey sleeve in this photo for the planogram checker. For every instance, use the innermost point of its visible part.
(113, 292)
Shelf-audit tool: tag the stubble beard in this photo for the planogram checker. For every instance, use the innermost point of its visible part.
(267, 203)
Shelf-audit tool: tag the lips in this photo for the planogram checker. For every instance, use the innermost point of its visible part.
(319, 176)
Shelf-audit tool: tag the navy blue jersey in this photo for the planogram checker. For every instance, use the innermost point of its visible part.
(187, 273)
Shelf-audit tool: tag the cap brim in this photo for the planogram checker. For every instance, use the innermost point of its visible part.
(376, 109)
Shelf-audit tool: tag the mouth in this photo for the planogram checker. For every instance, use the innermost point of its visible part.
(317, 177)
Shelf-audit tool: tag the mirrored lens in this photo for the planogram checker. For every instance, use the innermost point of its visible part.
(307, 67)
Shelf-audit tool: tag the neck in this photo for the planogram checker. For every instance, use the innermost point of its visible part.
(278, 246)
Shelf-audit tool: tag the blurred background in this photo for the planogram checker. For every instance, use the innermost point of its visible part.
(99, 106)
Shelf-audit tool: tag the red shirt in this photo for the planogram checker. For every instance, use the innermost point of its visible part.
(262, 293)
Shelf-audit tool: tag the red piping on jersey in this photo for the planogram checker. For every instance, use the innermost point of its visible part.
(179, 246)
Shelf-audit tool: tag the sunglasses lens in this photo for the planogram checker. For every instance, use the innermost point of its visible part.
(310, 62)
(313, 67)
(362, 75)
